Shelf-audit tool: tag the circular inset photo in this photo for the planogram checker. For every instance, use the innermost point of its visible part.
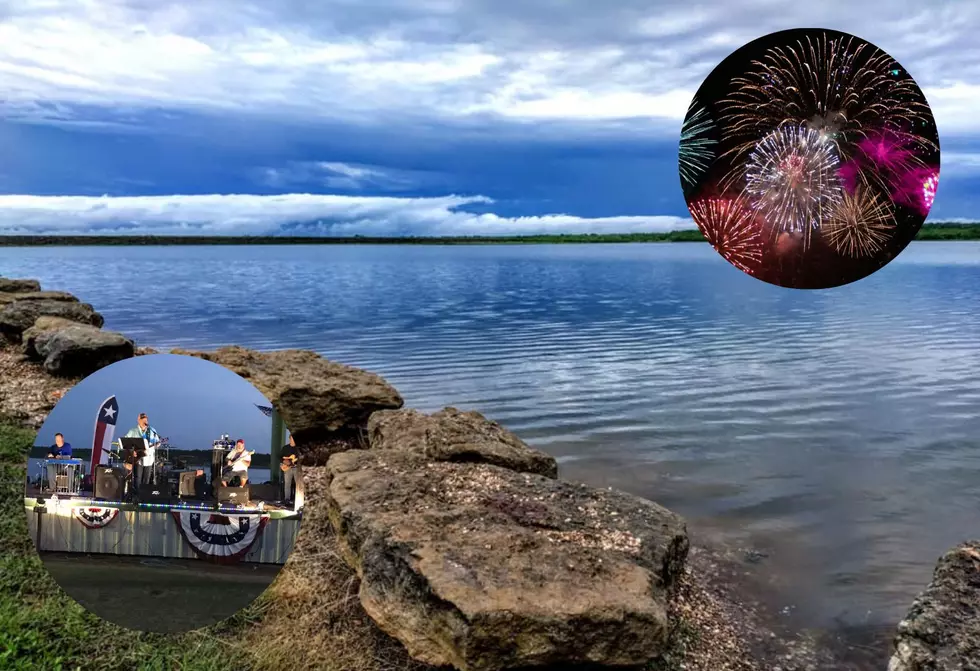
(809, 158)
(164, 493)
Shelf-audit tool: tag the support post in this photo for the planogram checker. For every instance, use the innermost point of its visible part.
(278, 438)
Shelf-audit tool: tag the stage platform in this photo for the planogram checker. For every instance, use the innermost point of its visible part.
(262, 532)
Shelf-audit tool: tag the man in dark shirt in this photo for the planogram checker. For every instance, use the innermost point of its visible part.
(60, 449)
(292, 474)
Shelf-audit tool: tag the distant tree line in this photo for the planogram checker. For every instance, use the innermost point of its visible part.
(932, 231)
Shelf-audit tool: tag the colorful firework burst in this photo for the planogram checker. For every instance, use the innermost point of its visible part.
(792, 179)
(697, 146)
(915, 189)
(929, 187)
(732, 230)
(840, 87)
(889, 158)
(860, 225)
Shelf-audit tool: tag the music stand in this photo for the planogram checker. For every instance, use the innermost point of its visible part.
(134, 449)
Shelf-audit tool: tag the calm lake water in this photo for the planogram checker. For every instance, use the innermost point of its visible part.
(838, 432)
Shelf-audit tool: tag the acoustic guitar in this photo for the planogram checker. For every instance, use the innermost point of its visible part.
(128, 464)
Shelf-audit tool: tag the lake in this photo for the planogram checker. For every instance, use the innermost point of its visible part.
(836, 432)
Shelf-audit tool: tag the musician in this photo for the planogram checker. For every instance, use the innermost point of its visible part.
(60, 449)
(237, 464)
(292, 473)
(146, 467)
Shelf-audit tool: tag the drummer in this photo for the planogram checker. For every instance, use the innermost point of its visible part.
(60, 449)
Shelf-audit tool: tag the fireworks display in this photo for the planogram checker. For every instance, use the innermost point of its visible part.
(731, 229)
(809, 158)
(860, 225)
(839, 86)
(792, 179)
(697, 146)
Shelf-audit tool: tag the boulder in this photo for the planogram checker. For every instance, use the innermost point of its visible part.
(453, 435)
(6, 297)
(942, 630)
(9, 285)
(42, 324)
(315, 397)
(80, 350)
(17, 317)
(483, 568)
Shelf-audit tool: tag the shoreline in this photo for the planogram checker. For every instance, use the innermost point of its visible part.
(931, 232)
(725, 611)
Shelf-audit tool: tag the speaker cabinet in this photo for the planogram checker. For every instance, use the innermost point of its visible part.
(264, 492)
(110, 483)
(190, 485)
(155, 493)
(237, 495)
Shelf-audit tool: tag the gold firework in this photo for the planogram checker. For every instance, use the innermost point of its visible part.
(732, 229)
(861, 224)
(840, 87)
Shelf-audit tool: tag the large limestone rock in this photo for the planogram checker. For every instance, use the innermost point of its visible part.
(484, 568)
(17, 317)
(316, 397)
(10, 297)
(9, 285)
(942, 630)
(453, 435)
(80, 350)
(42, 324)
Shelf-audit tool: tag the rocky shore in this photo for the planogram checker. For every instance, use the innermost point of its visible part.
(444, 541)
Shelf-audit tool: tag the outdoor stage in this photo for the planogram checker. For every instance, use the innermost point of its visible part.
(182, 530)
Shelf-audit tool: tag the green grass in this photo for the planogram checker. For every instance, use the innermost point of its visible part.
(932, 231)
(42, 628)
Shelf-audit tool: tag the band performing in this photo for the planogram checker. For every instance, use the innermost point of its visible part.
(139, 469)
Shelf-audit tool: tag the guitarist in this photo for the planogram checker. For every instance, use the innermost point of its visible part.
(239, 459)
(146, 466)
(291, 470)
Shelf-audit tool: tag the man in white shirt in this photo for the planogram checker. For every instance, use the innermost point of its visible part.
(146, 467)
(238, 462)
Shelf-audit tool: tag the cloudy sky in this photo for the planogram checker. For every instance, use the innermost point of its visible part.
(393, 117)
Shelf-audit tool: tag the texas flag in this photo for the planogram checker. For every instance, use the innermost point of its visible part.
(105, 429)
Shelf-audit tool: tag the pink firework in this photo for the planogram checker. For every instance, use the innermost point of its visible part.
(886, 150)
(890, 157)
(916, 190)
(850, 175)
(929, 190)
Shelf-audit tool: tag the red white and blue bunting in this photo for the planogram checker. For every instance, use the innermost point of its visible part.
(220, 538)
(95, 517)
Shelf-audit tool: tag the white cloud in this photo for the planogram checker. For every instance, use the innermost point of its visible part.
(235, 214)
(341, 176)
(579, 60)
(958, 164)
